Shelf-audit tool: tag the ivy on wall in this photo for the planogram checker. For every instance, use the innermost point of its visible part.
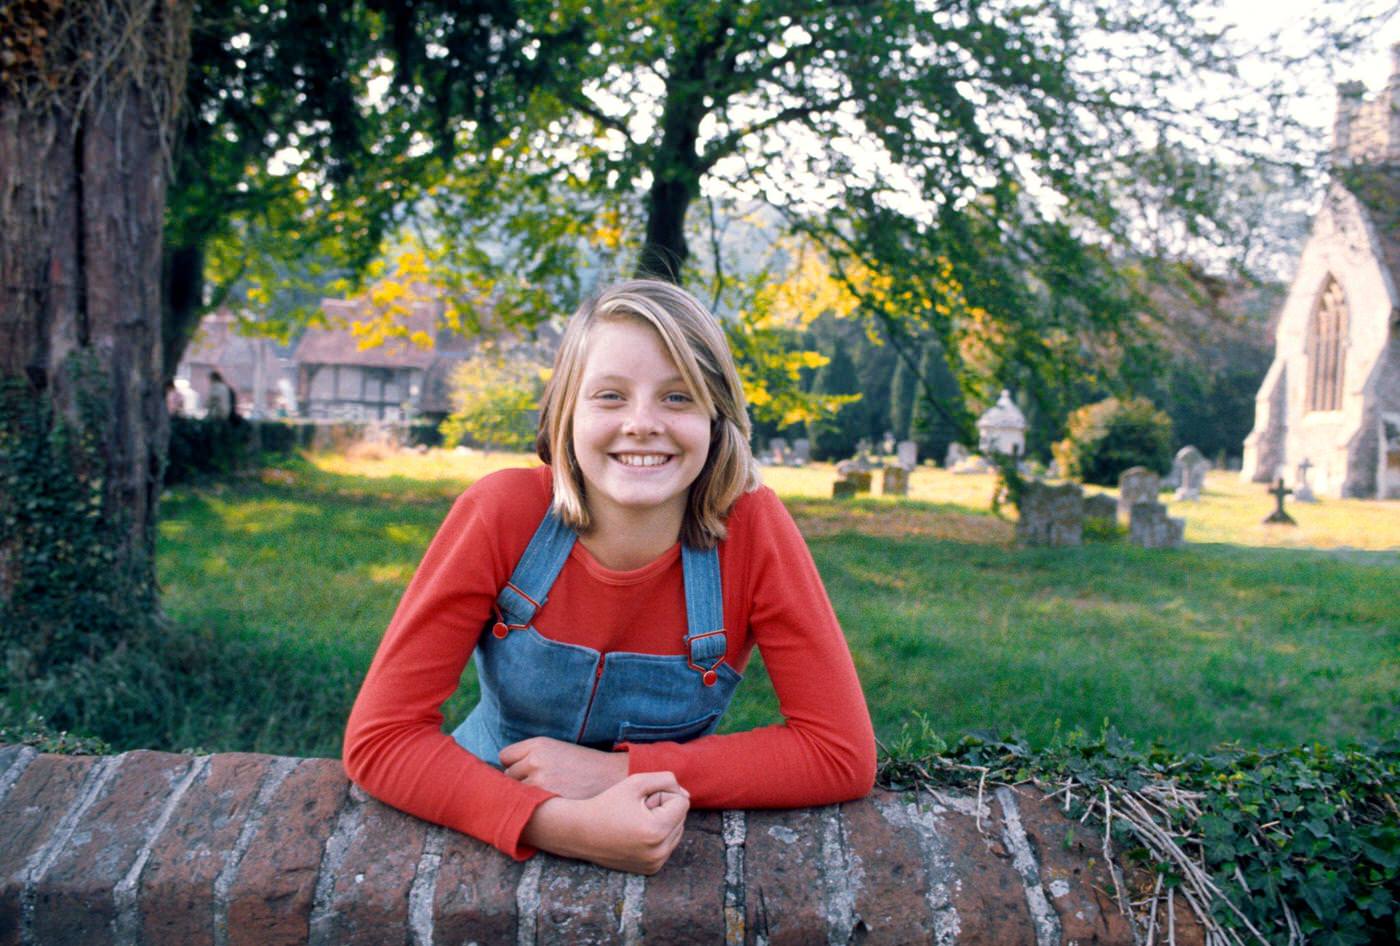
(1273, 847)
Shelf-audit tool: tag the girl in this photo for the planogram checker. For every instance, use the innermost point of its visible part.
(607, 645)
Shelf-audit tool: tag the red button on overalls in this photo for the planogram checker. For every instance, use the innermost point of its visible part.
(500, 630)
(709, 677)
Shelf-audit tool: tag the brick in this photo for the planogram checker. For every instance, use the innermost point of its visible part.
(890, 899)
(177, 886)
(475, 896)
(984, 891)
(75, 902)
(1077, 883)
(782, 878)
(271, 896)
(14, 757)
(580, 904)
(30, 812)
(684, 903)
(369, 894)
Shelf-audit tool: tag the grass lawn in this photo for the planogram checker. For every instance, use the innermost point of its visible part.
(1251, 633)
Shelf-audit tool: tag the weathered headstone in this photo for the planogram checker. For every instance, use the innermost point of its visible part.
(1189, 468)
(1101, 509)
(956, 454)
(801, 452)
(908, 453)
(887, 444)
(1278, 517)
(972, 464)
(1051, 515)
(1135, 485)
(1302, 489)
(895, 481)
(1150, 527)
(843, 489)
(861, 480)
(778, 446)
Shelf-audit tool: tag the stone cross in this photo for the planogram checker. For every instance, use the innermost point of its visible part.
(1278, 516)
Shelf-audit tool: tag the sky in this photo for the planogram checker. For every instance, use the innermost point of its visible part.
(1369, 64)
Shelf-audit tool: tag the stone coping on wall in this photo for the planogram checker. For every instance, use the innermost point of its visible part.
(237, 848)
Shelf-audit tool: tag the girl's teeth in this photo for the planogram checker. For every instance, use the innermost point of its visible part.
(649, 460)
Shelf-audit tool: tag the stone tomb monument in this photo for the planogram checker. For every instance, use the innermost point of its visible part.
(778, 447)
(956, 454)
(1189, 472)
(1150, 527)
(1136, 485)
(1051, 515)
(801, 452)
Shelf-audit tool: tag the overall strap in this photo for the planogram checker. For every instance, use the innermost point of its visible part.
(704, 611)
(529, 584)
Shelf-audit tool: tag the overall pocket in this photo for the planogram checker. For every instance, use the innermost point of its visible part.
(680, 732)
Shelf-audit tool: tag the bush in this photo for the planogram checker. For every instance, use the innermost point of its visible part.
(494, 401)
(1104, 439)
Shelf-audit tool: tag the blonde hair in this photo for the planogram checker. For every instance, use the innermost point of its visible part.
(696, 343)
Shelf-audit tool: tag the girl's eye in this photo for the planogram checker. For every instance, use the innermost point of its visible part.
(678, 397)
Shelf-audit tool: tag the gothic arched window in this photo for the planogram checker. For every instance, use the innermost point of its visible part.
(1327, 332)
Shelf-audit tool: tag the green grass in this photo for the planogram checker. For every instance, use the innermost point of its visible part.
(302, 567)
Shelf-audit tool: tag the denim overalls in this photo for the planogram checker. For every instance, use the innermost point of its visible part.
(532, 686)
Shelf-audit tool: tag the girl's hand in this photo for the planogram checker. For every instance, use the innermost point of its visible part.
(633, 826)
(562, 767)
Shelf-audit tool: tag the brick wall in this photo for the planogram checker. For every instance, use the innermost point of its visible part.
(149, 847)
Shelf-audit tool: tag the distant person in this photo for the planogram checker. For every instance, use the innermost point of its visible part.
(222, 401)
(174, 400)
(612, 599)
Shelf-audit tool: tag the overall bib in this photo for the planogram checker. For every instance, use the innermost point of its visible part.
(533, 686)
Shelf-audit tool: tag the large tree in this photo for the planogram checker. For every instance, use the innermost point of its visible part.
(88, 98)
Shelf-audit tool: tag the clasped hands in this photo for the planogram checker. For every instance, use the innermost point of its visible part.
(625, 822)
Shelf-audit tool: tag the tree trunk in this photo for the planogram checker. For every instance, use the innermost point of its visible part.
(84, 138)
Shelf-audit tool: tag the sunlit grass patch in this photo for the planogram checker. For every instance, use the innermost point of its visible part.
(1223, 639)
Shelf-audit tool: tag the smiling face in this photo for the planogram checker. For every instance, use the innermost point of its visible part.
(639, 436)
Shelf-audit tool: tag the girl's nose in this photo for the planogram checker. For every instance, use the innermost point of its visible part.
(642, 420)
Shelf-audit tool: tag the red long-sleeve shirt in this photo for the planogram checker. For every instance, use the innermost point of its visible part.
(396, 749)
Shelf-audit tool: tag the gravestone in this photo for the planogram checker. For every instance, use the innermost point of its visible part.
(887, 444)
(1278, 517)
(1302, 490)
(972, 464)
(908, 453)
(778, 446)
(801, 452)
(843, 489)
(1189, 468)
(1136, 485)
(1051, 515)
(1150, 527)
(1101, 509)
(860, 479)
(895, 481)
(956, 454)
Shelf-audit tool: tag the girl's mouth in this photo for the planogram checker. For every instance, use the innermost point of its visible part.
(642, 459)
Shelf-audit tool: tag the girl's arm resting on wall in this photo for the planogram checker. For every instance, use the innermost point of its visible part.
(824, 752)
(394, 746)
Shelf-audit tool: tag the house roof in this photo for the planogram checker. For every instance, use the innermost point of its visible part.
(337, 345)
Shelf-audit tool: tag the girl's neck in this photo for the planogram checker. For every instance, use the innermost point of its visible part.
(623, 540)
